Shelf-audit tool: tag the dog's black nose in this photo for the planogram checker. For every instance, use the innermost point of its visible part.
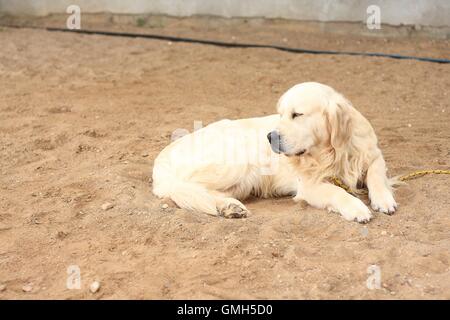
(274, 140)
(273, 136)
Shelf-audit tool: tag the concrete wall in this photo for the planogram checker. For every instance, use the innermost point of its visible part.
(394, 12)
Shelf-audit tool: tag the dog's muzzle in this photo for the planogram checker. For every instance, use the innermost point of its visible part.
(276, 145)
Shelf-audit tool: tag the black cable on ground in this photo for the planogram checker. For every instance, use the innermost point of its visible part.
(245, 45)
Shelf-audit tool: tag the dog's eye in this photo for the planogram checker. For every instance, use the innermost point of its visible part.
(295, 115)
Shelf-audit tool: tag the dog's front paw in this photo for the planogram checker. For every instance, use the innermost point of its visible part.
(383, 201)
(233, 210)
(356, 210)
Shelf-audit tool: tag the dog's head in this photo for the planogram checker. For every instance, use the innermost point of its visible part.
(312, 115)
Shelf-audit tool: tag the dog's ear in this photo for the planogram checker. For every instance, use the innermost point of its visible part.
(339, 122)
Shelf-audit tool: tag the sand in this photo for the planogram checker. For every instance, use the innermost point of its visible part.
(82, 118)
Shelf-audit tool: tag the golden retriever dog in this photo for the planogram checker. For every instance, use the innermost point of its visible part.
(316, 135)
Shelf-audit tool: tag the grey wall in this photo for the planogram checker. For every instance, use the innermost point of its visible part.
(395, 12)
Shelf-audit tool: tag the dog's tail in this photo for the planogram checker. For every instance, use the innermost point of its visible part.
(187, 195)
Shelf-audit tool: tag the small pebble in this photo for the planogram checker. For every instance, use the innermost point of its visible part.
(2, 287)
(144, 154)
(107, 206)
(27, 288)
(94, 287)
(409, 125)
(164, 206)
(383, 233)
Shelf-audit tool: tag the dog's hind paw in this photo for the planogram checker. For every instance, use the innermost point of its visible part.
(233, 211)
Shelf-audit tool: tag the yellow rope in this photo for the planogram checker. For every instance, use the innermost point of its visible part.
(410, 176)
(421, 173)
(338, 182)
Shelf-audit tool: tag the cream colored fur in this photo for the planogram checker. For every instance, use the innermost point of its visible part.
(213, 169)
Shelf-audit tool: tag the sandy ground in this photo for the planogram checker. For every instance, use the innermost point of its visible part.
(82, 118)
